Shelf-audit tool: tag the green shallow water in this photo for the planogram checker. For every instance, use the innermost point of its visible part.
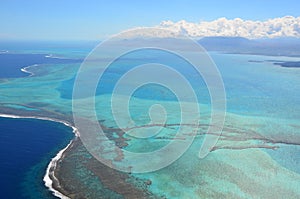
(262, 115)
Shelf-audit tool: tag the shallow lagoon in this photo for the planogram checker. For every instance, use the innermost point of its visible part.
(263, 114)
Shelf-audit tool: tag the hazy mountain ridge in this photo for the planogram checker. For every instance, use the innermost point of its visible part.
(285, 46)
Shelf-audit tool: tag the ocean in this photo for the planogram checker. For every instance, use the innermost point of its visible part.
(13, 63)
(258, 149)
(27, 146)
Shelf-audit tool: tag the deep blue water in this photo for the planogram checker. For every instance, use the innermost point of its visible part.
(11, 64)
(26, 146)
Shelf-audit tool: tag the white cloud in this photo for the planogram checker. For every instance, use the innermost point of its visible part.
(287, 26)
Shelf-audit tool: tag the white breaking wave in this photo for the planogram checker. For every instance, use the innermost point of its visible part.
(53, 56)
(50, 173)
(48, 56)
(25, 70)
(53, 163)
(3, 51)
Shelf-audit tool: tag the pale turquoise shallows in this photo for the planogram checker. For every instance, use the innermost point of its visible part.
(257, 155)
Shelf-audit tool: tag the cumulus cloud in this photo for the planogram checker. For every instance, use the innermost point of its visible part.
(287, 26)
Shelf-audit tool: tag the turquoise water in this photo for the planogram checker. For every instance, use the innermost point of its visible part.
(259, 88)
(286, 156)
(263, 113)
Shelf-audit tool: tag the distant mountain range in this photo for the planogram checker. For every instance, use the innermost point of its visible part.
(284, 46)
(277, 36)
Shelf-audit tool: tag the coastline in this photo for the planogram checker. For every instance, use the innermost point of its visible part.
(49, 177)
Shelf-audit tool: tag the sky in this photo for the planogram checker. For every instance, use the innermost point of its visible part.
(97, 19)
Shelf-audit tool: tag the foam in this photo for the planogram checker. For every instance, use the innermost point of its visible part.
(53, 57)
(50, 173)
(53, 163)
(25, 70)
